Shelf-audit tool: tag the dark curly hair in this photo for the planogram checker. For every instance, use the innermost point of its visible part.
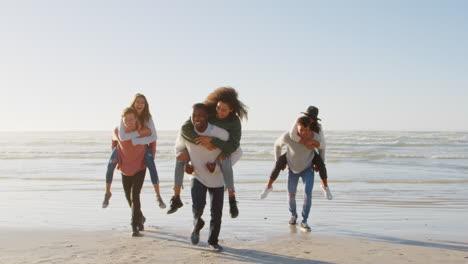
(229, 96)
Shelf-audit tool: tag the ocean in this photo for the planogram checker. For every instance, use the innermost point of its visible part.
(385, 183)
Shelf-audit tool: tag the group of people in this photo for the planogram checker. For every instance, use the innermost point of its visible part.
(207, 147)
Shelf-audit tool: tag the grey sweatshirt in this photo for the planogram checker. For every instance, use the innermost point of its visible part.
(299, 157)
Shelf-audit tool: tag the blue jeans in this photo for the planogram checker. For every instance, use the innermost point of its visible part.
(225, 166)
(149, 159)
(307, 176)
(216, 203)
(111, 166)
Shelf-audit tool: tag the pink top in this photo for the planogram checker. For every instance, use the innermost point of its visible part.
(131, 159)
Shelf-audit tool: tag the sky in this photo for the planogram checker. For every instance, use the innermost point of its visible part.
(367, 65)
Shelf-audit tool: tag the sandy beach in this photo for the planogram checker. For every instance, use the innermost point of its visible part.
(165, 246)
(395, 204)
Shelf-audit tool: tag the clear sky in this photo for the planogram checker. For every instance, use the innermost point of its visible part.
(367, 65)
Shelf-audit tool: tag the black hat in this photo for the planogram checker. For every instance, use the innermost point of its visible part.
(312, 112)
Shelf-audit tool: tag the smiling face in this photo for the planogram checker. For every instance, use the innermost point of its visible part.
(223, 110)
(130, 121)
(304, 131)
(200, 119)
(139, 104)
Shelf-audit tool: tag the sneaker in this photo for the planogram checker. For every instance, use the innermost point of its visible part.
(135, 232)
(176, 203)
(189, 168)
(327, 192)
(107, 197)
(161, 203)
(211, 166)
(216, 247)
(305, 227)
(195, 236)
(233, 210)
(292, 220)
(265, 192)
(141, 226)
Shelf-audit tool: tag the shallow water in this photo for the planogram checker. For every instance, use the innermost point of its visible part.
(402, 184)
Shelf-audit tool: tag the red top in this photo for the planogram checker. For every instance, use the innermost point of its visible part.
(131, 159)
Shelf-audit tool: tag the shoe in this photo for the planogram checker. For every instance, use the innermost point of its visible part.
(141, 225)
(161, 203)
(107, 197)
(195, 236)
(327, 193)
(189, 168)
(265, 192)
(217, 247)
(176, 203)
(292, 220)
(305, 227)
(135, 232)
(233, 210)
(211, 166)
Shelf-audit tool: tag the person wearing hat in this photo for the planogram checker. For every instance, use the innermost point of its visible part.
(319, 157)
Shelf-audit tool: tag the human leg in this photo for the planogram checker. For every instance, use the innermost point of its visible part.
(228, 174)
(127, 183)
(293, 180)
(109, 176)
(198, 192)
(137, 215)
(217, 202)
(320, 164)
(308, 179)
(280, 164)
(176, 202)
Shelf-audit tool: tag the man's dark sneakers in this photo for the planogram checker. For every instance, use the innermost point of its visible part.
(141, 225)
(176, 203)
(107, 197)
(195, 236)
(135, 232)
(233, 210)
(216, 247)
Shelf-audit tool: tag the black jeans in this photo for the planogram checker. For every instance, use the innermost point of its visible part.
(132, 186)
(281, 163)
(198, 205)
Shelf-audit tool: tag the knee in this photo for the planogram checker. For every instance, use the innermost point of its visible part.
(112, 163)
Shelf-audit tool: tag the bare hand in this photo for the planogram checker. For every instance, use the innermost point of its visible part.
(222, 157)
(316, 168)
(183, 157)
(209, 146)
(308, 143)
(144, 132)
(203, 140)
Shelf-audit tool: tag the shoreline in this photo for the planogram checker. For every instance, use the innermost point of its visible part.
(166, 246)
